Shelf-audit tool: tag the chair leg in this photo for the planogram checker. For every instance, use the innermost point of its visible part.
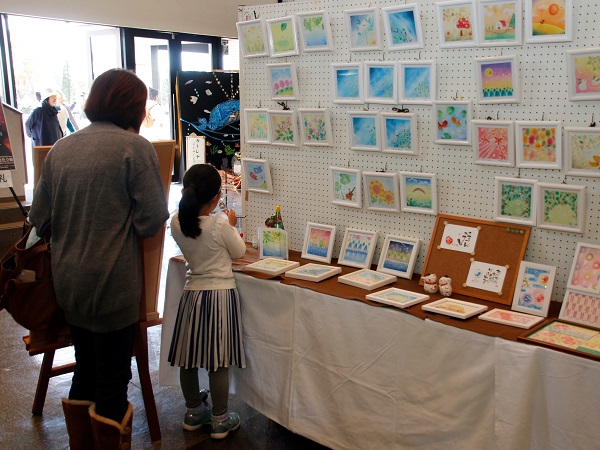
(42, 385)
(141, 357)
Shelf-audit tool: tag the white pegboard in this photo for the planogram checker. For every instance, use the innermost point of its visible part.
(301, 179)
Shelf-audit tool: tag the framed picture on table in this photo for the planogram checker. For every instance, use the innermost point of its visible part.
(272, 266)
(313, 272)
(511, 318)
(367, 279)
(318, 242)
(399, 255)
(358, 248)
(397, 297)
(273, 243)
(585, 269)
(533, 291)
(581, 308)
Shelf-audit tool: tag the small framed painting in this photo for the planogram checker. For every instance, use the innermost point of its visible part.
(313, 272)
(497, 79)
(516, 200)
(585, 270)
(253, 38)
(381, 191)
(453, 121)
(581, 308)
(283, 40)
(347, 83)
(318, 242)
(402, 27)
(315, 127)
(583, 68)
(582, 151)
(399, 256)
(454, 308)
(363, 30)
(346, 187)
(417, 82)
(315, 31)
(418, 192)
(257, 175)
(397, 297)
(561, 207)
(499, 22)
(284, 128)
(272, 266)
(273, 243)
(548, 21)
(381, 82)
(457, 23)
(533, 291)
(399, 133)
(256, 125)
(283, 81)
(538, 144)
(494, 142)
(358, 248)
(511, 318)
(367, 279)
(364, 130)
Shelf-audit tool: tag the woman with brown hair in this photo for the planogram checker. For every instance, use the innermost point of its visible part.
(99, 192)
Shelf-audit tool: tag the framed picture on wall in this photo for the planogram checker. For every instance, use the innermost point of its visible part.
(381, 82)
(318, 242)
(402, 27)
(548, 21)
(516, 200)
(417, 82)
(494, 142)
(585, 269)
(499, 22)
(582, 151)
(457, 23)
(497, 79)
(583, 68)
(561, 207)
(399, 255)
(256, 125)
(284, 128)
(533, 291)
(364, 130)
(358, 248)
(282, 35)
(381, 191)
(315, 127)
(399, 133)
(283, 81)
(538, 144)
(346, 187)
(418, 192)
(315, 31)
(347, 83)
(257, 175)
(453, 122)
(363, 29)
(253, 38)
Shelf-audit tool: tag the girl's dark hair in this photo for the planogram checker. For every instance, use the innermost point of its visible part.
(117, 96)
(201, 183)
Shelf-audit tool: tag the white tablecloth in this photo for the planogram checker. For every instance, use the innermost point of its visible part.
(352, 376)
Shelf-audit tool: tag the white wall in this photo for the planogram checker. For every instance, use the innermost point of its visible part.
(187, 16)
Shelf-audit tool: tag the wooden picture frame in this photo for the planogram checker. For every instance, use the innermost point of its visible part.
(561, 207)
(272, 266)
(318, 242)
(256, 126)
(283, 81)
(397, 297)
(494, 142)
(402, 27)
(347, 83)
(364, 129)
(381, 191)
(457, 20)
(582, 151)
(516, 200)
(346, 187)
(367, 279)
(399, 255)
(363, 29)
(538, 144)
(533, 291)
(282, 37)
(315, 127)
(418, 192)
(500, 22)
(399, 133)
(417, 83)
(583, 72)
(548, 23)
(584, 275)
(582, 308)
(511, 318)
(283, 125)
(452, 120)
(497, 79)
(257, 175)
(381, 82)
(313, 272)
(459, 309)
(253, 38)
(273, 243)
(315, 31)
(358, 248)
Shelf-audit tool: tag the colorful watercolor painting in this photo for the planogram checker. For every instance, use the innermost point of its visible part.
(494, 142)
(516, 200)
(315, 31)
(417, 82)
(347, 83)
(399, 255)
(585, 270)
(284, 128)
(400, 133)
(313, 272)
(566, 336)
(282, 36)
(511, 318)
(453, 120)
(257, 175)
(382, 191)
(318, 242)
(316, 127)
(584, 74)
(548, 20)
(581, 308)
(346, 187)
(381, 82)
(497, 79)
(252, 35)
(364, 130)
(533, 290)
(582, 147)
(562, 207)
(284, 81)
(272, 266)
(456, 23)
(403, 27)
(367, 279)
(419, 192)
(364, 31)
(539, 145)
(358, 248)
(500, 22)
(273, 243)
(257, 126)
(397, 297)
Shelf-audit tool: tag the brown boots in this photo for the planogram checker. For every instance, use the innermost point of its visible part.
(79, 425)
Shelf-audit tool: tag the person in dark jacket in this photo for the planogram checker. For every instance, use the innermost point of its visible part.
(42, 126)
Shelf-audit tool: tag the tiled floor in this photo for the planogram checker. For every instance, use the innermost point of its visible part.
(18, 378)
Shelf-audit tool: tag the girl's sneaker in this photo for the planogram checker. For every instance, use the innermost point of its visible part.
(220, 429)
(192, 422)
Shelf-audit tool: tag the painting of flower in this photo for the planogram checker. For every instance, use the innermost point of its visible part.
(539, 145)
(583, 151)
(256, 122)
(534, 288)
(585, 270)
(364, 130)
(283, 128)
(284, 81)
(456, 23)
(364, 31)
(382, 191)
(316, 127)
(453, 120)
(493, 142)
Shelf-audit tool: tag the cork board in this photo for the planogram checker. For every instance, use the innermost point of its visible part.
(497, 243)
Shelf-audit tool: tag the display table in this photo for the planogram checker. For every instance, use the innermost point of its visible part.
(352, 376)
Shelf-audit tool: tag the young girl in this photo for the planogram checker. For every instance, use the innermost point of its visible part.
(208, 329)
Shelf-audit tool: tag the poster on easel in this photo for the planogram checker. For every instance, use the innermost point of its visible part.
(7, 162)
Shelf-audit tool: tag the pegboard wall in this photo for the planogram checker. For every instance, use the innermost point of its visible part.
(301, 176)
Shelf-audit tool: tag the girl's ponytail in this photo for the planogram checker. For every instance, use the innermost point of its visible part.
(189, 211)
(201, 183)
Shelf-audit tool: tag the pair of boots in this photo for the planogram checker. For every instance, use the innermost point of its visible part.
(87, 430)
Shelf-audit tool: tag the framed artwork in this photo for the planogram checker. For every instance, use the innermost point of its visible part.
(399, 133)
(511, 318)
(364, 130)
(417, 82)
(318, 242)
(253, 38)
(585, 270)
(453, 121)
(548, 21)
(381, 82)
(256, 125)
(583, 67)
(494, 142)
(538, 144)
(284, 128)
(315, 127)
(381, 191)
(486, 276)
(454, 308)
(399, 256)
(418, 192)
(457, 23)
(397, 297)
(497, 79)
(346, 187)
(358, 248)
(283, 81)
(315, 31)
(516, 200)
(363, 30)
(367, 279)
(402, 27)
(533, 291)
(283, 40)
(273, 243)
(347, 83)
(272, 266)
(499, 22)
(257, 175)
(582, 151)
(561, 207)
(313, 272)
(581, 308)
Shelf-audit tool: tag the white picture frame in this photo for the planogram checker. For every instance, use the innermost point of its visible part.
(402, 27)
(494, 142)
(253, 38)
(553, 201)
(272, 266)
(582, 151)
(399, 133)
(358, 248)
(364, 130)
(283, 127)
(381, 82)
(347, 85)
(457, 23)
(516, 200)
(363, 29)
(315, 31)
(367, 279)
(583, 74)
(584, 275)
(418, 192)
(283, 81)
(459, 309)
(318, 242)
(315, 127)
(273, 243)
(511, 318)
(257, 175)
(346, 187)
(533, 291)
(256, 126)
(313, 272)
(417, 82)
(398, 298)
(538, 15)
(381, 191)
(538, 144)
(580, 307)
(452, 122)
(399, 255)
(282, 37)
(500, 23)
(497, 79)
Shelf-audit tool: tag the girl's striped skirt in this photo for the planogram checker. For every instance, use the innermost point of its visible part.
(208, 331)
